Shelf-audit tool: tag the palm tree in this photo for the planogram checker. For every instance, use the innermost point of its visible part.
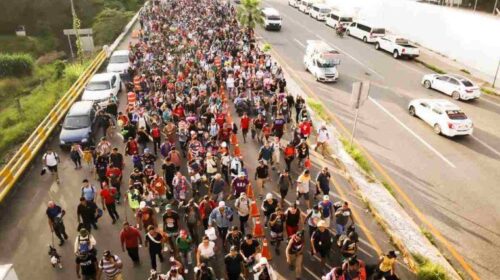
(249, 14)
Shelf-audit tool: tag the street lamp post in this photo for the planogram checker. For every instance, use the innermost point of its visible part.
(495, 7)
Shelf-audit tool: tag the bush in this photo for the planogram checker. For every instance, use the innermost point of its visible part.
(36, 46)
(108, 24)
(73, 71)
(356, 155)
(15, 65)
(429, 271)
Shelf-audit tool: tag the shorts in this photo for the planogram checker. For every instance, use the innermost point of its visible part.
(291, 230)
(304, 195)
(276, 236)
(52, 169)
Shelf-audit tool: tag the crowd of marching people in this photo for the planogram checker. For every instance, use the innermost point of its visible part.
(193, 194)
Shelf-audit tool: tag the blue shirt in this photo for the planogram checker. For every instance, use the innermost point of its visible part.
(222, 221)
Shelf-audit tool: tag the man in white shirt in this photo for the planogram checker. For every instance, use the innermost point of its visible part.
(51, 160)
(242, 204)
(321, 139)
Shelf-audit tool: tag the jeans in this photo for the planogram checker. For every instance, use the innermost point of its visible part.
(60, 231)
(243, 222)
(340, 229)
(156, 144)
(223, 233)
(133, 254)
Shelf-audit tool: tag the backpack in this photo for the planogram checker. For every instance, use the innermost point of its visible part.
(93, 191)
(84, 244)
(155, 132)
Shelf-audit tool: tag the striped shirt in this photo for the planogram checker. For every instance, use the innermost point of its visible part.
(109, 269)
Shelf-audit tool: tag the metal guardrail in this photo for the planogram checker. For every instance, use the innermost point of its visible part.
(16, 166)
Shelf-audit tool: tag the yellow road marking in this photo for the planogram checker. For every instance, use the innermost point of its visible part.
(386, 176)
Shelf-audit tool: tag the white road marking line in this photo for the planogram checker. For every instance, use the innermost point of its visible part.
(412, 133)
(298, 42)
(352, 57)
(486, 145)
(312, 273)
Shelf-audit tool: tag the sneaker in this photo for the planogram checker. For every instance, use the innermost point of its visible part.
(113, 222)
(186, 271)
(61, 242)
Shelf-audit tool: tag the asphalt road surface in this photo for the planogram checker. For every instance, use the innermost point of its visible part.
(25, 233)
(451, 181)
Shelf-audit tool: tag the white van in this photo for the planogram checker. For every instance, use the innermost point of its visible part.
(272, 19)
(319, 11)
(335, 18)
(305, 6)
(294, 3)
(364, 31)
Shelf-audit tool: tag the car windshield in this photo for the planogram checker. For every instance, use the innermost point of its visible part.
(94, 86)
(346, 19)
(118, 59)
(326, 63)
(467, 83)
(76, 122)
(325, 11)
(456, 115)
(378, 31)
(273, 17)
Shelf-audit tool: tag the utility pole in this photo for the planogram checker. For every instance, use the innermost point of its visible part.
(360, 92)
(496, 74)
(475, 5)
(495, 7)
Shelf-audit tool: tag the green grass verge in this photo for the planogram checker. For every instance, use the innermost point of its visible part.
(488, 91)
(35, 46)
(431, 67)
(426, 270)
(465, 71)
(318, 109)
(428, 235)
(389, 188)
(29, 100)
(356, 155)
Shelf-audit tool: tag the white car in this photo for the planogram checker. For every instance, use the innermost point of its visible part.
(119, 62)
(399, 47)
(445, 117)
(102, 87)
(459, 88)
(294, 3)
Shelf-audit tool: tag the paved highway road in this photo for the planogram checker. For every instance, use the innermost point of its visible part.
(452, 181)
(25, 233)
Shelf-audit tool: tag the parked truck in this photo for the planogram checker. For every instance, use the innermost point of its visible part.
(399, 47)
(322, 61)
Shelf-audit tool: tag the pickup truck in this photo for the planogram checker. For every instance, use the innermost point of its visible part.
(399, 47)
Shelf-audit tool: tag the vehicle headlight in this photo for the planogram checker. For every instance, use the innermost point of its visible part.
(85, 140)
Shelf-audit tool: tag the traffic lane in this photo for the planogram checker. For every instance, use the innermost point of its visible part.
(424, 164)
(398, 74)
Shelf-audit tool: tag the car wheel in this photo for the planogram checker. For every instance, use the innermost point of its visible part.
(395, 54)
(411, 110)
(347, 32)
(455, 95)
(365, 39)
(437, 129)
(317, 78)
(427, 84)
(377, 46)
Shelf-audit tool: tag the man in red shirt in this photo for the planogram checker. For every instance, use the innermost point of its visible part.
(305, 128)
(159, 188)
(108, 201)
(245, 125)
(130, 238)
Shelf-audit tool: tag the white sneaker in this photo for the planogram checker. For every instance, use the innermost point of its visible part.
(186, 271)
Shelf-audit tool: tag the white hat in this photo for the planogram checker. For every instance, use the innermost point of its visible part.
(241, 174)
(269, 196)
(222, 204)
(142, 204)
(223, 145)
(326, 197)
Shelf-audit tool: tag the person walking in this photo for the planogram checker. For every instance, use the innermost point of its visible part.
(86, 266)
(87, 190)
(55, 216)
(323, 181)
(289, 153)
(386, 267)
(206, 206)
(110, 266)
(242, 205)
(184, 244)
(221, 217)
(321, 140)
(294, 253)
(75, 153)
(217, 186)
(284, 184)
(206, 252)
(303, 188)
(154, 241)
(249, 247)
(234, 263)
(130, 239)
(277, 227)
(321, 242)
(51, 160)
(245, 126)
(342, 216)
(145, 217)
(292, 220)
(268, 207)
(108, 201)
(87, 212)
(261, 176)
